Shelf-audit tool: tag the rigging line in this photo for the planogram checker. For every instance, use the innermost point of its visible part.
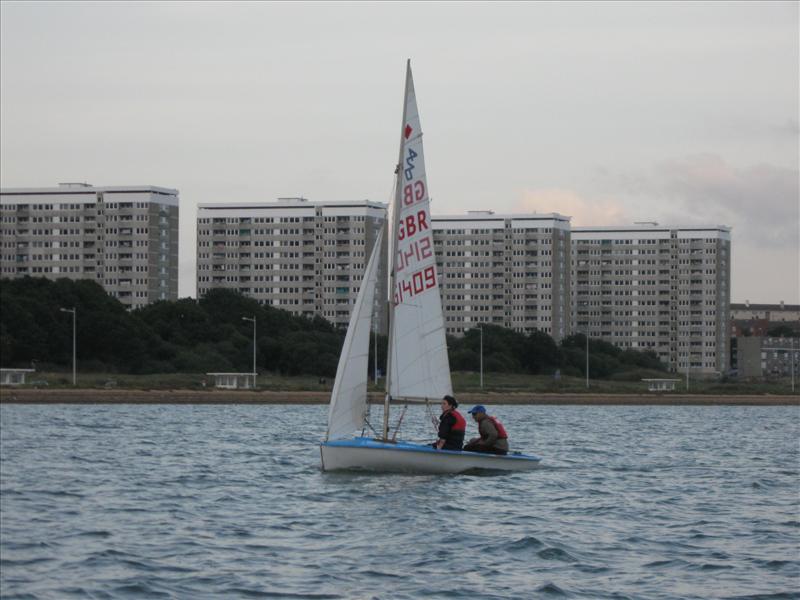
(432, 416)
(399, 422)
(366, 419)
(371, 428)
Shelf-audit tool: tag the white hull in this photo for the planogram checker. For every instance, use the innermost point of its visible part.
(372, 455)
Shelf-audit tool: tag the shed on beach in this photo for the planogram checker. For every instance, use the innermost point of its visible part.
(661, 385)
(14, 376)
(233, 381)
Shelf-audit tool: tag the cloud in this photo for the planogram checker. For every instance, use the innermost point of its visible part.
(583, 210)
(762, 202)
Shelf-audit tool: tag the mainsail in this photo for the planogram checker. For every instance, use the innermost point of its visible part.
(418, 365)
(349, 397)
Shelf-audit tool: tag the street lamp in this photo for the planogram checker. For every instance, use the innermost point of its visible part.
(253, 319)
(791, 350)
(587, 358)
(480, 328)
(688, 362)
(73, 311)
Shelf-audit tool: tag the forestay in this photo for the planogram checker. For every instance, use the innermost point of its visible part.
(419, 367)
(349, 397)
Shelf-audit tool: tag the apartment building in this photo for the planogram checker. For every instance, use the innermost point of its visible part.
(759, 356)
(301, 256)
(123, 237)
(646, 287)
(775, 314)
(507, 270)
(650, 287)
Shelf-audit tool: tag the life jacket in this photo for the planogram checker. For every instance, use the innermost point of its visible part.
(501, 431)
(461, 422)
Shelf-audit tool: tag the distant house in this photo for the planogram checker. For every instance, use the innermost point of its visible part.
(768, 357)
(233, 381)
(14, 376)
(773, 313)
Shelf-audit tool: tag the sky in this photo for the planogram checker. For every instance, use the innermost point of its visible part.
(611, 113)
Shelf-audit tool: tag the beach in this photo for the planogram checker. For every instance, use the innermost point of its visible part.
(117, 396)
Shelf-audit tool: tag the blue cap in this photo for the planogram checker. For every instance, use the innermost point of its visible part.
(476, 409)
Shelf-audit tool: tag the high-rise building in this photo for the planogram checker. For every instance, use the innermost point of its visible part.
(650, 287)
(645, 287)
(304, 257)
(507, 270)
(123, 237)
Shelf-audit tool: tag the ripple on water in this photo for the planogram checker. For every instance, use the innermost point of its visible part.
(551, 589)
(187, 502)
(555, 554)
(525, 543)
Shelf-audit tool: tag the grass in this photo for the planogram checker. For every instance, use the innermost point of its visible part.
(462, 382)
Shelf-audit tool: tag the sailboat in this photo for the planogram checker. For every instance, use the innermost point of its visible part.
(417, 367)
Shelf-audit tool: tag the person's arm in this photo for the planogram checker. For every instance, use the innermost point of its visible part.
(445, 426)
(488, 433)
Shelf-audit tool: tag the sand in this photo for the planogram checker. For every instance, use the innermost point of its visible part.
(10, 395)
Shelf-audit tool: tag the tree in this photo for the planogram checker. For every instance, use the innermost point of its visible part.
(783, 331)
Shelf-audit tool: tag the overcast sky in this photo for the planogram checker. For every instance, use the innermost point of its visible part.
(681, 113)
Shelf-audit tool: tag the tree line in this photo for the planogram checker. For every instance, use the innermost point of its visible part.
(210, 335)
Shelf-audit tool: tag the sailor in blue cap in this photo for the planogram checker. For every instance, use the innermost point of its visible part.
(493, 437)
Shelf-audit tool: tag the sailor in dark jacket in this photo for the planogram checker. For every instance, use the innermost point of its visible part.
(452, 426)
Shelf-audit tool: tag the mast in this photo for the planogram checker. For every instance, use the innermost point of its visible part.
(392, 241)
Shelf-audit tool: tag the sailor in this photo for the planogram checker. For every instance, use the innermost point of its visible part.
(493, 437)
(452, 426)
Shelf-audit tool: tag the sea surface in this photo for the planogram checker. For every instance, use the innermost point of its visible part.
(164, 501)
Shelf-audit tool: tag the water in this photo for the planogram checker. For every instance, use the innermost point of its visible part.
(228, 501)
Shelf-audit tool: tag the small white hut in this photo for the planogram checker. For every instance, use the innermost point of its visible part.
(233, 381)
(14, 376)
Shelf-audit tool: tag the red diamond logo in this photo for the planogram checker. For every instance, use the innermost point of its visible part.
(408, 131)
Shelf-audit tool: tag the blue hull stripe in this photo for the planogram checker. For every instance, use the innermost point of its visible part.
(363, 442)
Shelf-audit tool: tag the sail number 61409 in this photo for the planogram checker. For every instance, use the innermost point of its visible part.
(416, 284)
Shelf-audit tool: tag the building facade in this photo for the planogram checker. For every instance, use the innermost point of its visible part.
(755, 321)
(665, 289)
(304, 257)
(768, 357)
(507, 270)
(649, 287)
(124, 237)
(774, 314)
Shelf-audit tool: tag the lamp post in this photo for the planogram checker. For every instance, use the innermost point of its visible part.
(74, 312)
(253, 319)
(587, 358)
(480, 328)
(688, 365)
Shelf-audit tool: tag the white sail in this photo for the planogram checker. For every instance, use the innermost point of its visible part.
(349, 397)
(419, 367)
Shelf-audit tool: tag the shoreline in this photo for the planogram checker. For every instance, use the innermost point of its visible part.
(95, 396)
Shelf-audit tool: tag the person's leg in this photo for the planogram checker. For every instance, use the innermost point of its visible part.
(482, 449)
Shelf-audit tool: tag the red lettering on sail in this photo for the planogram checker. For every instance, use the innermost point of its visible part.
(413, 192)
(416, 251)
(419, 282)
(425, 247)
(412, 224)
